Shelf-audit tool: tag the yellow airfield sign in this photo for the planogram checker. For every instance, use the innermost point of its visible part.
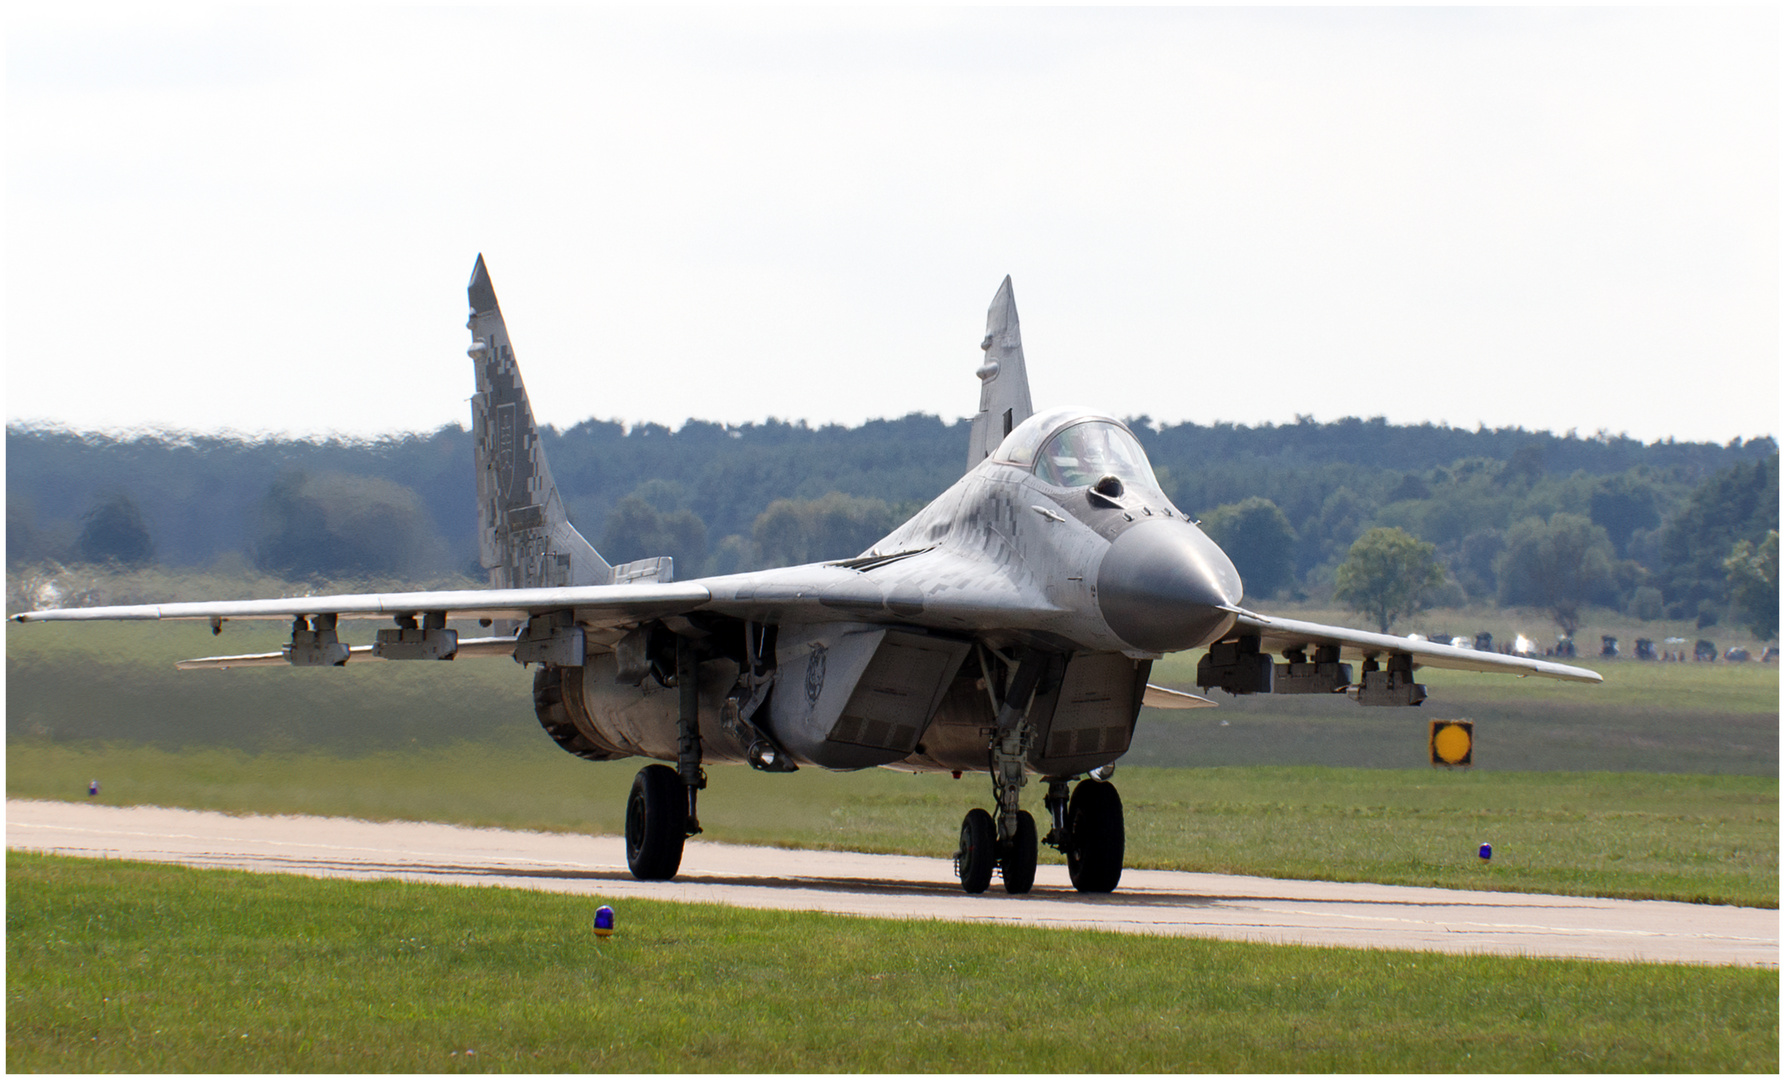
(1452, 742)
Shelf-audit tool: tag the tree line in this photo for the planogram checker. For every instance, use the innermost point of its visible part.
(1510, 516)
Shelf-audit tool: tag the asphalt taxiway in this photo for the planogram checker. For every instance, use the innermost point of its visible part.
(903, 887)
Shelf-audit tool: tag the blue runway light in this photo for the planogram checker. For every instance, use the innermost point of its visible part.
(604, 921)
(1486, 852)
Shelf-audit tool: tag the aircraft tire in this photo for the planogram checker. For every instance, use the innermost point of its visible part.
(1020, 855)
(979, 851)
(1094, 824)
(656, 823)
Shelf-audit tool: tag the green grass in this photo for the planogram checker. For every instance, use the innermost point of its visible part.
(1645, 717)
(1691, 838)
(116, 681)
(125, 967)
(1226, 789)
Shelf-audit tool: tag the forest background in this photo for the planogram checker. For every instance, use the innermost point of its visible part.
(1651, 528)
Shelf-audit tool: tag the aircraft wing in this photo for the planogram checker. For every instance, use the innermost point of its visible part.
(612, 605)
(1276, 635)
(878, 589)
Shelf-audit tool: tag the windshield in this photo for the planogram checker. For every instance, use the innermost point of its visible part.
(1085, 453)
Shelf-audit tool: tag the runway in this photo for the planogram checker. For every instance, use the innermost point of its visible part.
(903, 887)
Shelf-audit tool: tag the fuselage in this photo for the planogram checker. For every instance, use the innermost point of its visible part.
(1062, 540)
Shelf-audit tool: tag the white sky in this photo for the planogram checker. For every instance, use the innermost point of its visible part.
(262, 218)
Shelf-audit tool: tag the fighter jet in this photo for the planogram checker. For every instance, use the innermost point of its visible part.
(1008, 628)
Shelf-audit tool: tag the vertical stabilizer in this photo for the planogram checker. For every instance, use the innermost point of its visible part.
(524, 538)
(1004, 381)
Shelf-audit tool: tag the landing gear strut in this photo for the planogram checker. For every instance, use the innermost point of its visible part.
(1008, 843)
(1012, 847)
(661, 812)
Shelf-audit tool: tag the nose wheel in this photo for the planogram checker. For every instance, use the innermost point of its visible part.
(981, 853)
(1018, 855)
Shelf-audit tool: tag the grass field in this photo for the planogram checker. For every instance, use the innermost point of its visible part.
(116, 682)
(127, 967)
(1273, 785)
(1692, 838)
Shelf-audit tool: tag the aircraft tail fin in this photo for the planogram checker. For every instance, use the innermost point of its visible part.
(524, 538)
(1004, 380)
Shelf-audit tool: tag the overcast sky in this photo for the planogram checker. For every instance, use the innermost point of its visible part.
(262, 219)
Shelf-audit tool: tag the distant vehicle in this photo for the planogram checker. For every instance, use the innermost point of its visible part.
(1007, 629)
(1736, 653)
(1484, 641)
(1608, 647)
(1645, 649)
(1564, 646)
(1704, 650)
(1771, 653)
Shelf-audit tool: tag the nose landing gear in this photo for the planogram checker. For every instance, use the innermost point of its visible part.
(982, 852)
(1087, 828)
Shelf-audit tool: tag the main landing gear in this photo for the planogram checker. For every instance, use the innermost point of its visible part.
(656, 823)
(661, 812)
(1087, 828)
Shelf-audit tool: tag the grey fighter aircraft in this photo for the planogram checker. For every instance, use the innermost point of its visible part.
(1008, 628)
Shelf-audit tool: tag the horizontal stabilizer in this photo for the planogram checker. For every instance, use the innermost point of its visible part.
(1163, 697)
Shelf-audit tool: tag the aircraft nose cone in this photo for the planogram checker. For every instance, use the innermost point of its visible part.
(1162, 585)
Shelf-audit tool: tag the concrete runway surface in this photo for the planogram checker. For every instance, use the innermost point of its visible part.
(896, 886)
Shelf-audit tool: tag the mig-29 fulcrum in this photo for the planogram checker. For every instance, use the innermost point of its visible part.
(1008, 628)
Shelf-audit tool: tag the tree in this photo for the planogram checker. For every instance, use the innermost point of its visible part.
(1259, 539)
(114, 531)
(1524, 468)
(1474, 564)
(837, 526)
(334, 523)
(1754, 584)
(23, 542)
(638, 530)
(1624, 504)
(1740, 503)
(1560, 564)
(1385, 574)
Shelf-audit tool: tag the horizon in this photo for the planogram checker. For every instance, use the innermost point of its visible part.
(628, 428)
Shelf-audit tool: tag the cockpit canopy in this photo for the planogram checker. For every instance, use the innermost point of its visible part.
(1073, 448)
